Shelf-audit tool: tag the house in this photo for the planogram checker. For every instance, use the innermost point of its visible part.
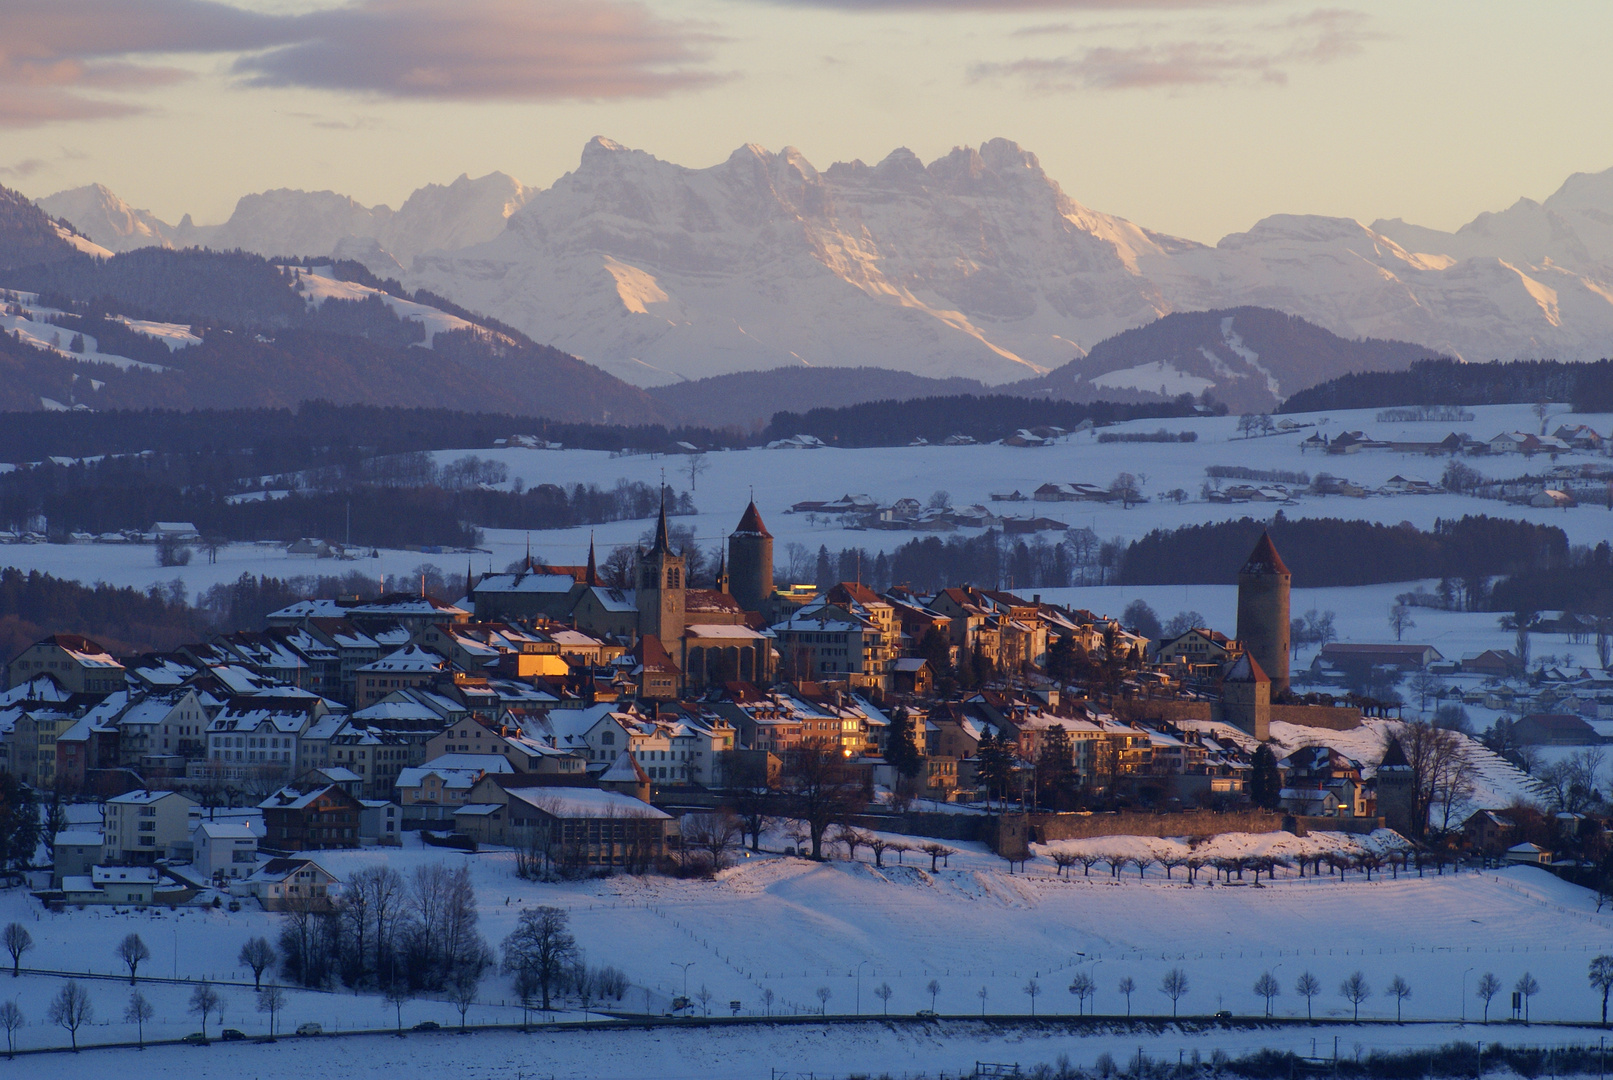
(313, 820)
(113, 885)
(284, 884)
(1496, 663)
(224, 850)
(573, 829)
(1197, 646)
(1552, 499)
(1311, 802)
(914, 676)
(410, 666)
(1488, 831)
(1527, 854)
(380, 822)
(1343, 656)
(1579, 437)
(76, 851)
(80, 665)
(1554, 729)
(144, 826)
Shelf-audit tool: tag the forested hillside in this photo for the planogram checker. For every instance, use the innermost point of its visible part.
(1588, 386)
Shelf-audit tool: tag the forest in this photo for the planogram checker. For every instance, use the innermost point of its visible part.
(1329, 552)
(35, 605)
(1588, 386)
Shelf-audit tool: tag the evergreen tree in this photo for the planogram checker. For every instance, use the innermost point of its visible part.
(1055, 769)
(824, 577)
(1265, 782)
(996, 764)
(902, 752)
(19, 821)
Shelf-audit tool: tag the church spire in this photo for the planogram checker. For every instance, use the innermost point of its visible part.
(470, 580)
(661, 544)
(722, 570)
(592, 578)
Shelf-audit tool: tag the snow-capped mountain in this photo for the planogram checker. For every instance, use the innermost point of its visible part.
(976, 265)
(289, 222)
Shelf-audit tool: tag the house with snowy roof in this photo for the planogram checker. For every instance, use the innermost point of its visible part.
(572, 829)
(80, 665)
(281, 884)
(312, 820)
(224, 850)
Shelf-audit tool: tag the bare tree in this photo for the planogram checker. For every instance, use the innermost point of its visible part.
(258, 955)
(820, 788)
(704, 995)
(1082, 987)
(11, 1019)
(1174, 986)
(694, 465)
(1488, 986)
(1127, 986)
(463, 991)
(1400, 620)
(883, 992)
(131, 950)
(1063, 860)
(17, 941)
(1032, 989)
(717, 834)
(1601, 976)
(397, 995)
(1528, 988)
(1268, 987)
(767, 999)
(982, 994)
(1307, 986)
(936, 851)
(1400, 990)
(823, 995)
(271, 999)
(139, 1012)
(1355, 990)
(538, 951)
(71, 1009)
(934, 990)
(204, 1000)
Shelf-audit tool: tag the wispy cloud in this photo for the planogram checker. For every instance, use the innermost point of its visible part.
(1266, 54)
(68, 59)
(1020, 5)
(24, 168)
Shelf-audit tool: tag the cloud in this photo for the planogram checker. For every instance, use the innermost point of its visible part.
(60, 59)
(1019, 5)
(26, 167)
(1264, 55)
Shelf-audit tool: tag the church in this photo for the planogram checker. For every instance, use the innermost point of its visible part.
(683, 639)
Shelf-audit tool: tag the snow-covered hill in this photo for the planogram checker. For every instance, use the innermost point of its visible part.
(975, 265)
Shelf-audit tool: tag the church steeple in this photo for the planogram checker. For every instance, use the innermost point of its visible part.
(592, 577)
(662, 544)
(722, 571)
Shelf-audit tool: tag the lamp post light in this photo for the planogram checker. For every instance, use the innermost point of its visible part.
(685, 968)
(860, 964)
(1464, 994)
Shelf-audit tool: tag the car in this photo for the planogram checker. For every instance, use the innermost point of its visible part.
(310, 1029)
(1223, 1014)
(927, 1014)
(427, 1025)
(231, 1035)
(195, 1038)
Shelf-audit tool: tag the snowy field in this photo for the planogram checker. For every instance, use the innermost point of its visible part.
(968, 473)
(792, 1052)
(792, 926)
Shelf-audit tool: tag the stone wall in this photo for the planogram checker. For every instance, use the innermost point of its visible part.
(1335, 718)
(1047, 827)
(1169, 711)
(1303, 826)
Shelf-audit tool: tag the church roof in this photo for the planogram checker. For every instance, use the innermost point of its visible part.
(1246, 670)
(625, 770)
(652, 655)
(1264, 558)
(662, 543)
(751, 523)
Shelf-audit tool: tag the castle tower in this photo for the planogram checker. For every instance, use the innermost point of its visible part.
(750, 561)
(1397, 797)
(660, 589)
(1263, 586)
(1246, 698)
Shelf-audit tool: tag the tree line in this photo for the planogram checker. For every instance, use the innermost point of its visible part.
(984, 418)
(1327, 552)
(1589, 386)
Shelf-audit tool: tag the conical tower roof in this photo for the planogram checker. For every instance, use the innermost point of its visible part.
(1264, 558)
(662, 544)
(1246, 670)
(592, 577)
(751, 523)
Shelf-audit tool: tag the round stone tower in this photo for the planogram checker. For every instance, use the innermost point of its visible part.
(1263, 586)
(750, 561)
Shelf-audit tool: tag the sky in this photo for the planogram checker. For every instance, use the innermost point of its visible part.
(1191, 117)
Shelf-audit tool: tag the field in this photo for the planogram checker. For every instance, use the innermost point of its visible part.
(791, 926)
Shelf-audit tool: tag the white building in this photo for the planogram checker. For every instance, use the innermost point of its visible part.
(224, 849)
(143, 826)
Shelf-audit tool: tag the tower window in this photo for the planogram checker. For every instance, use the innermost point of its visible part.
(672, 577)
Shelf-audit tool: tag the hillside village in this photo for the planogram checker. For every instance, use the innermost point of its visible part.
(601, 729)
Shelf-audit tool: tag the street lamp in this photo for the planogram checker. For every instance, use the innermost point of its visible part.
(860, 964)
(685, 968)
(1464, 994)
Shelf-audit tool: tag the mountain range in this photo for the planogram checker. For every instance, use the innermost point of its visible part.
(976, 265)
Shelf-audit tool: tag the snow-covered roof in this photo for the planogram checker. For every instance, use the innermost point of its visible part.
(225, 830)
(78, 838)
(411, 659)
(145, 797)
(572, 802)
